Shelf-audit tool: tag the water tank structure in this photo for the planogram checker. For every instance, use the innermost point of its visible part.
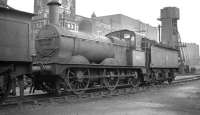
(169, 17)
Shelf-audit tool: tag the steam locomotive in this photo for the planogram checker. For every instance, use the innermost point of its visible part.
(77, 62)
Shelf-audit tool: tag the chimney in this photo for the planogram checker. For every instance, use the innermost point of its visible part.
(3, 3)
(53, 12)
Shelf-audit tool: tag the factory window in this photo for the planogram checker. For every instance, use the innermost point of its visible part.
(68, 25)
(76, 29)
(73, 26)
(99, 33)
(37, 25)
(34, 25)
(42, 24)
(174, 24)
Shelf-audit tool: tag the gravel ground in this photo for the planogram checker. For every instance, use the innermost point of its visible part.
(177, 100)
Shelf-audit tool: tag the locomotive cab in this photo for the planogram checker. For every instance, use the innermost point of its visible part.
(131, 44)
(126, 36)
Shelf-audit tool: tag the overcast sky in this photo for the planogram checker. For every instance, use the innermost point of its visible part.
(145, 10)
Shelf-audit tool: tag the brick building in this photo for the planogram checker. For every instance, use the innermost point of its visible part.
(191, 53)
(106, 24)
(120, 21)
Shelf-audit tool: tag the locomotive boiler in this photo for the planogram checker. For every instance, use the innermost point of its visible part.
(77, 61)
(64, 46)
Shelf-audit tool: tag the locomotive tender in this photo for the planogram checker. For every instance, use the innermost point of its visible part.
(15, 40)
(76, 61)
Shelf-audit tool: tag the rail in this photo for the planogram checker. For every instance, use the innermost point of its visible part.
(101, 93)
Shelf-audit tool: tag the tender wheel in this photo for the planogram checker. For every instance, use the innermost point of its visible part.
(59, 82)
(78, 80)
(111, 79)
(5, 87)
(134, 81)
(170, 81)
(171, 77)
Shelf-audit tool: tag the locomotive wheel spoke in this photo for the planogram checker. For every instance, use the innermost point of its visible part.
(110, 82)
(169, 81)
(77, 80)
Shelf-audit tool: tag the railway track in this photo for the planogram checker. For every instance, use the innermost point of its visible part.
(71, 98)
